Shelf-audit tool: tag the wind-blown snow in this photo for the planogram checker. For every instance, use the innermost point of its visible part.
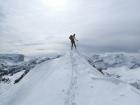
(69, 80)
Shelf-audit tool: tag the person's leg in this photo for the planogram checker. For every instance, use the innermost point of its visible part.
(74, 44)
(71, 45)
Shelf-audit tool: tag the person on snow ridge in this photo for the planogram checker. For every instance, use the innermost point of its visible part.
(72, 39)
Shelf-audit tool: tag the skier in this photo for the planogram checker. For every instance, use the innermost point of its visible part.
(72, 39)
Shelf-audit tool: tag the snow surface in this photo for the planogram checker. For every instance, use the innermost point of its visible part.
(131, 76)
(69, 80)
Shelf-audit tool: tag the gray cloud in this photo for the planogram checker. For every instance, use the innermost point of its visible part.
(109, 25)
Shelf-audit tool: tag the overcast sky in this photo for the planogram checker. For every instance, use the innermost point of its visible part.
(45, 25)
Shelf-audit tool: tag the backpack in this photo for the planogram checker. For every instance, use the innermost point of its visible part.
(71, 37)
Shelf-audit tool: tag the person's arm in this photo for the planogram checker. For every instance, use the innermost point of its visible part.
(75, 38)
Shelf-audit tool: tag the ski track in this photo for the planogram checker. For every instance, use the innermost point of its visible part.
(70, 99)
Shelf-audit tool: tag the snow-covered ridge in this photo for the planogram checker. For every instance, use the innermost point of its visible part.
(12, 57)
(69, 80)
(10, 64)
(111, 60)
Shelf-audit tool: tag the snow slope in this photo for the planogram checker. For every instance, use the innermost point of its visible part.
(69, 80)
(131, 76)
